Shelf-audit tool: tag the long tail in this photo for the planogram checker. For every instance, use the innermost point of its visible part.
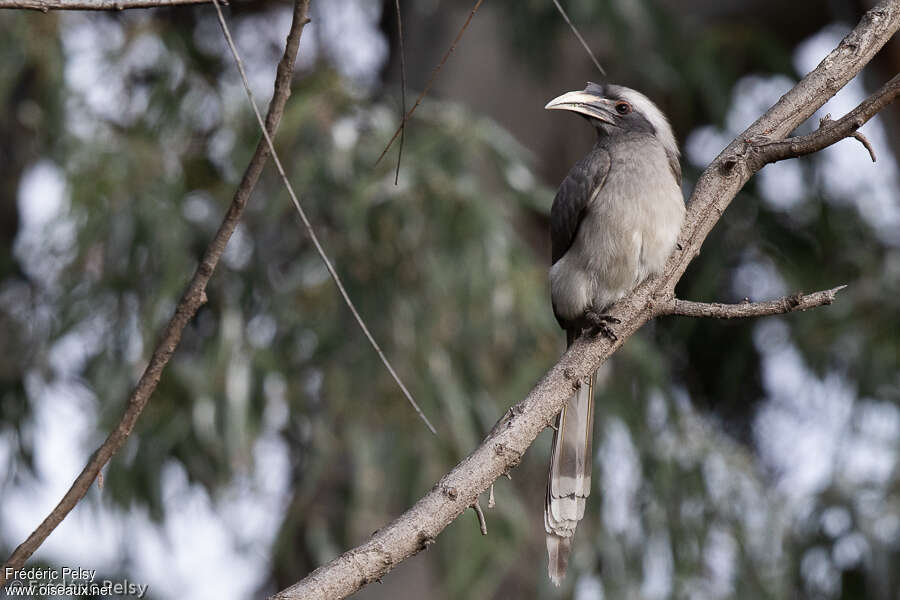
(570, 476)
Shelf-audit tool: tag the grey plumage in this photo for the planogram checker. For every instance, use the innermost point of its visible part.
(614, 222)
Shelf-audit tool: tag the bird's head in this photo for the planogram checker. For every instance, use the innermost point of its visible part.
(614, 109)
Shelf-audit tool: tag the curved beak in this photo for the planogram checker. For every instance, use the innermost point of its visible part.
(586, 104)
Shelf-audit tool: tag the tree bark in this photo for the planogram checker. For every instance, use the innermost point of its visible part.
(48, 5)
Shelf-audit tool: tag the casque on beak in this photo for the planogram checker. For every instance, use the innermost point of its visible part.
(585, 103)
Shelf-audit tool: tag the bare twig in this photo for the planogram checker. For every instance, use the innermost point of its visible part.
(482, 522)
(578, 35)
(865, 142)
(187, 307)
(434, 74)
(311, 231)
(857, 134)
(503, 447)
(402, 90)
(830, 131)
(745, 310)
(48, 5)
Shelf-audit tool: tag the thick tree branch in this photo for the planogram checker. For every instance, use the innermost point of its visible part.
(745, 310)
(504, 446)
(48, 5)
(194, 296)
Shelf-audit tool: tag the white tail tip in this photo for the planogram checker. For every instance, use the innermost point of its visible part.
(558, 557)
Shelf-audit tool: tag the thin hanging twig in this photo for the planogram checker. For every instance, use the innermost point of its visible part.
(578, 35)
(434, 74)
(402, 90)
(479, 514)
(308, 225)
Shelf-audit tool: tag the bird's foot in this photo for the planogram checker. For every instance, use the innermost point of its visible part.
(600, 324)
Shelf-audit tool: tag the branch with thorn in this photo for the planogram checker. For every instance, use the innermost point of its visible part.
(830, 131)
(858, 135)
(746, 310)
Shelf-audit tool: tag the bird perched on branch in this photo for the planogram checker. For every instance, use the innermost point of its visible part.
(614, 222)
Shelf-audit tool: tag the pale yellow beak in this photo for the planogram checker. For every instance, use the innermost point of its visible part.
(586, 104)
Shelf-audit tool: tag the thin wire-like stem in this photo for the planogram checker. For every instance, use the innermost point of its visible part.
(578, 35)
(402, 90)
(308, 225)
(434, 74)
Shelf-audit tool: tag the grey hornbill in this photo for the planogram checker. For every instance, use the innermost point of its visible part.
(614, 222)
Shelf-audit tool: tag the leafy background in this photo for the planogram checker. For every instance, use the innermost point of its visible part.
(734, 460)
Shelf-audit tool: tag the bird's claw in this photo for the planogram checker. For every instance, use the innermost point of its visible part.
(600, 324)
(603, 329)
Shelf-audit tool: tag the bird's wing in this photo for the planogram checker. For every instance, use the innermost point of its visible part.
(581, 184)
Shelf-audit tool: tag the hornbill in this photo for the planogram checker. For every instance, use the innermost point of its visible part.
(614, 222)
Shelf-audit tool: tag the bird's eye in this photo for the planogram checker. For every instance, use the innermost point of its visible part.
(623, 108)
